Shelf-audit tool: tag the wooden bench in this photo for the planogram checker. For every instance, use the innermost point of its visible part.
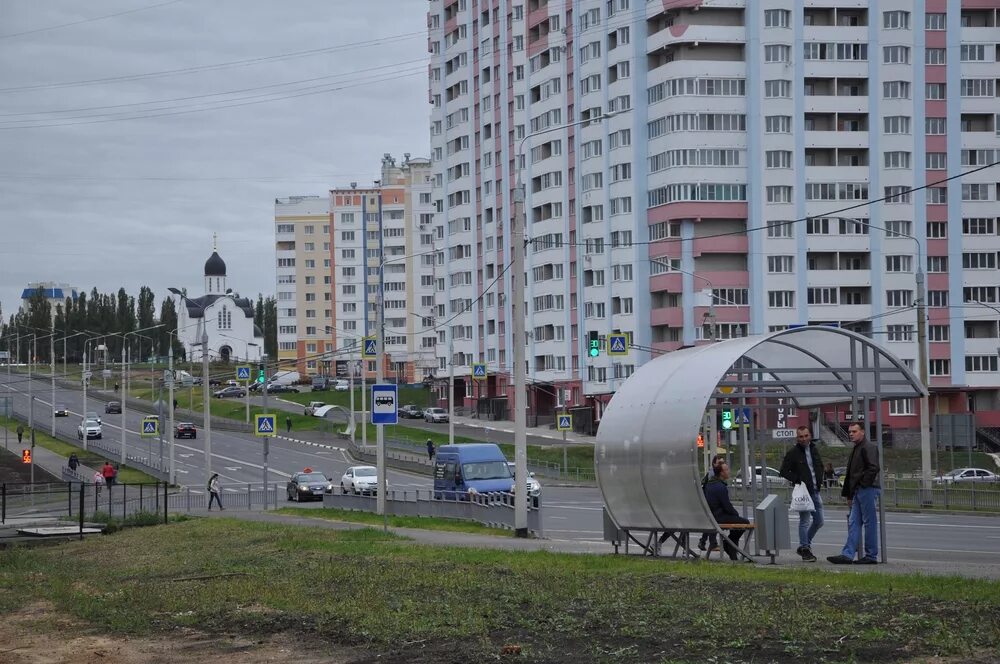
(743, 546)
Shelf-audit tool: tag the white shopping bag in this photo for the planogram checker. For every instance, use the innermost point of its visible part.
(801, 500)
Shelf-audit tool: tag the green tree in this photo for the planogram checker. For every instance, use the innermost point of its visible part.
(38, 319)
(166, 334)
(146, 308)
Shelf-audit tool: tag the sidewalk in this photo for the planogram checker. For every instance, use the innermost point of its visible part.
(507, 426)
(50, 462)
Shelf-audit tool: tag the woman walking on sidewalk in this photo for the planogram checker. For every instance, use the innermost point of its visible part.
(213, 492)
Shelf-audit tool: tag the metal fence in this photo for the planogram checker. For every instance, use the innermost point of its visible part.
(490, 509)
(903, 495)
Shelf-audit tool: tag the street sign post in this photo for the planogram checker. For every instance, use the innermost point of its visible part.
(479, 372)
(369, 348)
(384, 404)
(242, 373)
(265, 427)
(564, 422)
(150, 427)
(617, 345)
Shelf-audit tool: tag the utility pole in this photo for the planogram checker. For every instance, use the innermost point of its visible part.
(350, 371)
(379, 376)
(52, 375)
(124, 395)
(170, 367)
(451, 390)
(517, 237)
(925, 415)
(206, 403)
(267, 439)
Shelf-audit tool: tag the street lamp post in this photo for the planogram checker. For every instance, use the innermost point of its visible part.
(126, 360)
(518, 230)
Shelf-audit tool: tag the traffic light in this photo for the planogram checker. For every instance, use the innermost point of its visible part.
(25, 456)
(727, 419)
(595, 345)
(261, 376)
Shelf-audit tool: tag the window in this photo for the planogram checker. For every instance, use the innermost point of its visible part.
(821, 191)
(978, 157)
(897, 194)
(901, 407)
(898, 227)
(899, 298)
(935, 91)
(978, 226)
(778, 88)
(937, 230)
(940, 368)
(935, 126)
(936, 56)
(938, 332)
(897, 159)
(731, 297)
(935, 21)
(937, 298)
(981, 363)
(822, 295)
(937, 195)
(979, 260)
(286, 228)
(780, 229)
(898, 55)
(896, 124)
(896, 20)
(973, 52)
(937, 264)
(777, 124)
(778, 158)
(899, 333)
(853, 226)
(780, 264)
(977, 87)
(817, 226)
(781, 299)
(976, 192)
(899, 263)
(779, 194)
(979, 294)
(777, 18)
(937, 161)
(896, 90)
(777, 53)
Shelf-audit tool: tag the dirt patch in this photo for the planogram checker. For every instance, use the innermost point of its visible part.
(40, 634)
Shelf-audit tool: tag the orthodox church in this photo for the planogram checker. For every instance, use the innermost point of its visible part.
(223, 314)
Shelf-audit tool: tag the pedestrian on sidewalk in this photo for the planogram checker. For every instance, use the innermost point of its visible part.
(108, 472)
(803, 465)
(20, 432)
(288, 424)
(861, 488)
(213, 492)
(116, 388)
(430, 449)
(98, 483)
(74, 461)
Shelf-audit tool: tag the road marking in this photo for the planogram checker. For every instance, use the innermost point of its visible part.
(181, 470)
(233, 468)
(225, 458)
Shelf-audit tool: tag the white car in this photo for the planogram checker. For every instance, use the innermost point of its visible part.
(341, 386)
(435, 415)
(534, 486)
(773, 477)
(963, 475)
(91, 427)
(360, 479)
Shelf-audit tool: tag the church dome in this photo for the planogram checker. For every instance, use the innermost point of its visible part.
(215, 266)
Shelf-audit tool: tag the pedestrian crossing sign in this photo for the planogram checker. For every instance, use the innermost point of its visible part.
(265, 425)
(370, 348)
(743, 416)
(564, 423)
(617, 344)
(150, 426)
(478, 371)
(242, 373)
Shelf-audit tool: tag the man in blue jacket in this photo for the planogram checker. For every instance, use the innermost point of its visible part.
(717, 495)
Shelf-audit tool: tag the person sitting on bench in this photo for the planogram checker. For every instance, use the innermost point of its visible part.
(717, 495)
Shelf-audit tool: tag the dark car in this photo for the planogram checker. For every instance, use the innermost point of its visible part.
(113, 407)
(61, 411)
(185, 430)
(308, 485)
(214, 381)
(279, 389)
(411, 412)
(231, 391)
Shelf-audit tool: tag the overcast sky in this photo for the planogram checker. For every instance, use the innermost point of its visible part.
(131, 202)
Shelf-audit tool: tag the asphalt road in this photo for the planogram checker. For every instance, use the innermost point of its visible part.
(568, 513)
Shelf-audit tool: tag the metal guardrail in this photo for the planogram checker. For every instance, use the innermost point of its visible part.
(902, 495)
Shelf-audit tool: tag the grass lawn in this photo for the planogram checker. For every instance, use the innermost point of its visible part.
(126, 475)
(404, 602)
(423, 522)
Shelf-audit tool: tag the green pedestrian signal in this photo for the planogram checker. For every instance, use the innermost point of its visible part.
(261, 377)
(727, 420)
(595, 347)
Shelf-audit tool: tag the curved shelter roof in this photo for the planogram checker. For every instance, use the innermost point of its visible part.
(647, 456)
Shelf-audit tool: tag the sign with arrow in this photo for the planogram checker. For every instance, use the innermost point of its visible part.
(265, 424)
(617, 345)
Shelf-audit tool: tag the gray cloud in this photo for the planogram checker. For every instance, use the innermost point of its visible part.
(135, 202)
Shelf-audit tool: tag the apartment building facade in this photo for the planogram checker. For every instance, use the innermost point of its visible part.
(303, 251)
(682, 218)
(384, 256)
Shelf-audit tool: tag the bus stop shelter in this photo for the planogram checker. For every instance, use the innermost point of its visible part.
(647, 460)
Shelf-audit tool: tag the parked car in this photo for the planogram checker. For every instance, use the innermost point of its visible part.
(185, 430)
(92, 415)
(308, 485)
(435, 415)
(411, 412)
(360, 479)
(281, 389)
(230, 391)
(534, 486)
(61, 411)
(964, 475)
(214, 381)
(232, 383)
(341, 386)
(320, 383)
(113, 407)
(91, 427)
(312, 407)
(761, 473)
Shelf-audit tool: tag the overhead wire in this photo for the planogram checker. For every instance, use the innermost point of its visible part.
(87, 20)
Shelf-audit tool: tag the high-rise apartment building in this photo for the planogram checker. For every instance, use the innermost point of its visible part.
(304, 301)
(385, 233)
(682, 217)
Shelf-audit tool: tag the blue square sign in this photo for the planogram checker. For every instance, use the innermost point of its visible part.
(242, 373)
(384, 404)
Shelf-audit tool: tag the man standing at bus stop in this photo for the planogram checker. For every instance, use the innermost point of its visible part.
(861, 488)
(802, 464)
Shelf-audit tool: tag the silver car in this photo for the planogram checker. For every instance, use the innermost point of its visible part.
(963, 475)
(435, 415)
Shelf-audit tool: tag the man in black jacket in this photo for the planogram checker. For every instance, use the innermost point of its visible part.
(861, 488)
(717, 495)
(802, 464)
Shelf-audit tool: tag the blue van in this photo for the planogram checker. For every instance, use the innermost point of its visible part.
(470, 468)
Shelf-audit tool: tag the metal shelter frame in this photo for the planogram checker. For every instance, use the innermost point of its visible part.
(647, 460)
